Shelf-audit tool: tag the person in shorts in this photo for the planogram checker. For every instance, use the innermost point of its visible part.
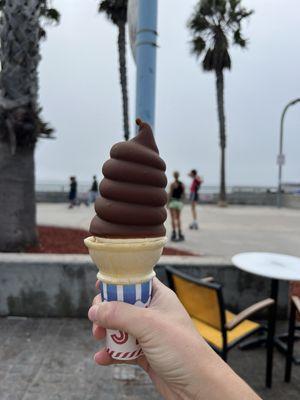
(175, 204)
(94, 190)
(194, 196)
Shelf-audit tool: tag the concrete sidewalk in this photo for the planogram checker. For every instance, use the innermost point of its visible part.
(52, 359)
(223, 231)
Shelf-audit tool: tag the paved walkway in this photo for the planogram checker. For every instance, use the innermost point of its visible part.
(51, 359)
(223, 231)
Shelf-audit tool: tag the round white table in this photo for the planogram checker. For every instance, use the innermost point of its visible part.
(269, 265)
(275, 267)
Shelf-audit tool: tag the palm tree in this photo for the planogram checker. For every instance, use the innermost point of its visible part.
(214, 23)
(21, 29)
(116, 12)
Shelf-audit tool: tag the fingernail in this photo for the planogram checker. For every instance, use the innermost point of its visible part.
(93, 313)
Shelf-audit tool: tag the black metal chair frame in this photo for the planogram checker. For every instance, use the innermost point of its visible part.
(291, 337)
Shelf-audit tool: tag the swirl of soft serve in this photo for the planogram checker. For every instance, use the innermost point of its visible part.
(133, 196)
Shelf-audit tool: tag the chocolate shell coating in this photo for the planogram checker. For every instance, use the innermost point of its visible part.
(133, 196)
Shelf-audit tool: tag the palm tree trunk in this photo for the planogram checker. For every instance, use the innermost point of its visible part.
(17, 199)
(222, 131)
(19, 34)
(123, 77)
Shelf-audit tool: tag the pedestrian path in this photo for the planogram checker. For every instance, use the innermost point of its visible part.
(52, 359)
(223, 231)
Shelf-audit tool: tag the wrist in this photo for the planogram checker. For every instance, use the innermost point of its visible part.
(215, 380)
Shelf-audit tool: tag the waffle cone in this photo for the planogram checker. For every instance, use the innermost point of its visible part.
(125, 261)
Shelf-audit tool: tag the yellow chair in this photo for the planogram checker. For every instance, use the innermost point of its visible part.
(203, 300)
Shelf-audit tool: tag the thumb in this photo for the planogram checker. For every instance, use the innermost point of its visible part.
(120, 316)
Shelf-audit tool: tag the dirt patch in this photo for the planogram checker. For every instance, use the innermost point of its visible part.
(70, 241)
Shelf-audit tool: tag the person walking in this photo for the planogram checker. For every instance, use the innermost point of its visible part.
(194, 196)
(73, 191)
(94, 190)
(175, 204)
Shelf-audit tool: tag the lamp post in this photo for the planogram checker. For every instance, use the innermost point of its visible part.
(281, 158)
(145, 54)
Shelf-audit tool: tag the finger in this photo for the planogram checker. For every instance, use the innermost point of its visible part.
(99, 333)
(97, 284)
(143, 363)
(157, 284)
(103, 358)
(97, 299)
(158, 288)
(120, 316)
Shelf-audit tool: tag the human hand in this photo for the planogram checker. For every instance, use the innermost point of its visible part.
(177, 359)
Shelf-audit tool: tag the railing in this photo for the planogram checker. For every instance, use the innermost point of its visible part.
(205, 189)
(60, 187)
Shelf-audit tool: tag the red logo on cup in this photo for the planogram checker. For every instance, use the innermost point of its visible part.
(120, 338)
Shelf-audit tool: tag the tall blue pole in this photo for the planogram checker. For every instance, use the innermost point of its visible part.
(146, 60)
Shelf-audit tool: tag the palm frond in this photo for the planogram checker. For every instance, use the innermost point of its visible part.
(45, 131)
(198, 23)
(213, 8)
(42, 33)
(226, 61)
(104, 6)
(115, 10)
(48, 15)
(215, 60)
(234, 4)
(208, 61)
(238, 39)
(198, 46)
(213, 25)
(48, 12)
(220, 6)
(52, 14)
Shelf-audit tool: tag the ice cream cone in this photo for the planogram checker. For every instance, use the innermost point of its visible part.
(128, 232)
(125, 261)
(125, 274)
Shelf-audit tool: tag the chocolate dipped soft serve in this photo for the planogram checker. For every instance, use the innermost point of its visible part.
(133, 196)
(128, 233)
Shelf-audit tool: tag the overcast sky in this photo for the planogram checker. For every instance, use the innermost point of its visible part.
(80, 95)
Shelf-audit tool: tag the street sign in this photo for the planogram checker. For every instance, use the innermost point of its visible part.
(280, 159)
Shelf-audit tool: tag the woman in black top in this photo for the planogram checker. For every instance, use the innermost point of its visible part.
(175, 204)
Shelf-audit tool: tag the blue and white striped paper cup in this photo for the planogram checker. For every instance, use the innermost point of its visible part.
(120, 345)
